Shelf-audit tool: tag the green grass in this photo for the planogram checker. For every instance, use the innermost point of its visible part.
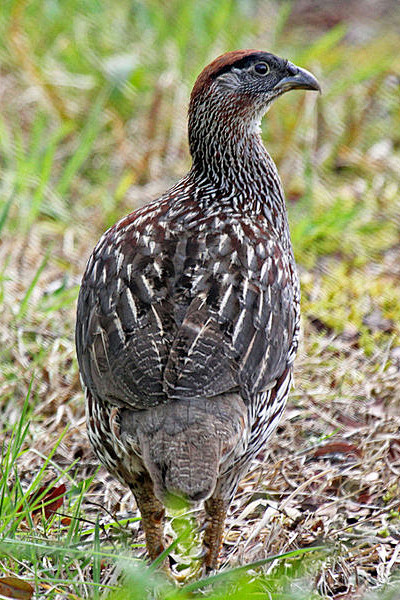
(66, 554)
(92, 103)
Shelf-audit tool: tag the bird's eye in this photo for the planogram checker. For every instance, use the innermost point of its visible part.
(261, 68)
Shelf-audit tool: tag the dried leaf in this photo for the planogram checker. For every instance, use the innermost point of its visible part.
(338, 448)
(364, 497)
(319, 524)
(58, 494)
(45, 504)
(13, 587)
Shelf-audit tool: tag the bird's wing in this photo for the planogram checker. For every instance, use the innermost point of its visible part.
(164, 314)
(125, 324)
(239, 329)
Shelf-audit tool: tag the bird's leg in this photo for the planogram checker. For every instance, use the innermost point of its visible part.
(216, 509)
(152, 512)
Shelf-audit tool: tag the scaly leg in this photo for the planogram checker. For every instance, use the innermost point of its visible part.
(152, 512)
(216, 509)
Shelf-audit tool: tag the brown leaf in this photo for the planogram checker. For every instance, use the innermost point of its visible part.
(58, 494)
(319, 524)
(45, 504)
(337, 448)
(364, 497)
(13, 587)
(350, 421)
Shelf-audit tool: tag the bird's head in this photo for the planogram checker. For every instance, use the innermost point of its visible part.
(243, 83)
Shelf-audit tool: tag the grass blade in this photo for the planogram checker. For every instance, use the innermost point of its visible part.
(25, 301)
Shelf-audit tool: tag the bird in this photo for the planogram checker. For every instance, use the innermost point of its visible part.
(188, 313)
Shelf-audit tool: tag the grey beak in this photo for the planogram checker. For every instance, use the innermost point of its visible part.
(297, 79)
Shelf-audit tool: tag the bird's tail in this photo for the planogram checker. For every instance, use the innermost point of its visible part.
(187, 443)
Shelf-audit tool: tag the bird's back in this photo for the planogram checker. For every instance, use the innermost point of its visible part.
(185, 318)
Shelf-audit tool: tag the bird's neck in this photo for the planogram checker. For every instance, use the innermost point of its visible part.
(234, 170)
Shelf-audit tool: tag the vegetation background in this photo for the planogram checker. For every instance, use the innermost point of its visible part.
(93, 96)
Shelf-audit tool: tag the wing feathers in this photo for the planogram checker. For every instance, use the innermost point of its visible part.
(182, 314)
